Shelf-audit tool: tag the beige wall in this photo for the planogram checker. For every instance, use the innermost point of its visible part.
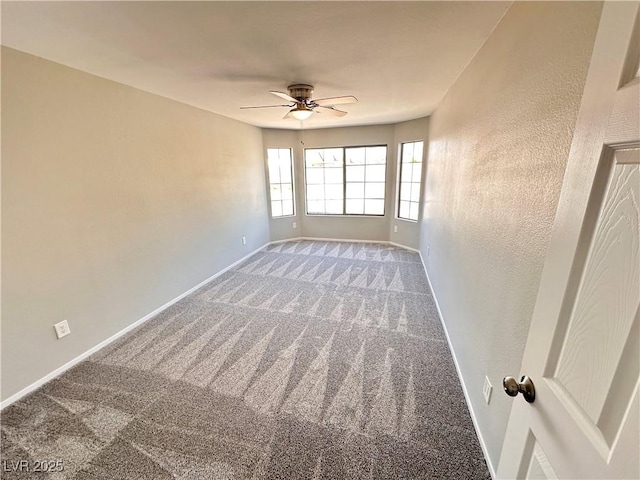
(350, 227)
(282, 228)
(114, 202)
(497, 152)
(347, 227)
(321, 226)
(408, 233)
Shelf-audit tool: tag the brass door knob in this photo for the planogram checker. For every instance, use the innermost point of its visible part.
(525, 386)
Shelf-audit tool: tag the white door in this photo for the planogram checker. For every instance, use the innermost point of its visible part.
(583, 349)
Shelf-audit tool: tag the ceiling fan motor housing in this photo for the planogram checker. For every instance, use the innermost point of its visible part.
(301, 91)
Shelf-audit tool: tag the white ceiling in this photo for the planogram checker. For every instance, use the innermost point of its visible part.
(398, 58)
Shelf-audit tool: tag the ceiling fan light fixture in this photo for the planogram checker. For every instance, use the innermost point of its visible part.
(302, 106)
(301, 114)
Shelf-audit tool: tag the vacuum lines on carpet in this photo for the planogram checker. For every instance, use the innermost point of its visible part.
(311, 360)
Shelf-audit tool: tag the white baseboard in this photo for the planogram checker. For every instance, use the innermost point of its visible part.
(382, 242)
(293, 239)
(483, 445)
(347, 240)
(60, 370)
(405, 247)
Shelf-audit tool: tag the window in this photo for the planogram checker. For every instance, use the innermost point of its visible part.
(366, 169)
(325, 174)
(410, 180)
(280, 181)
(346, 180)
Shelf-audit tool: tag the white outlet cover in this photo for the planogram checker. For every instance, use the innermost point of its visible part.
(62, 329)
(295, 225)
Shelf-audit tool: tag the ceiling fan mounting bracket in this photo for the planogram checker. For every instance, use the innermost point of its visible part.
(301, 91)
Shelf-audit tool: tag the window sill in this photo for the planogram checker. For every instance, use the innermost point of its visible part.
(337, 215)
(406, 220)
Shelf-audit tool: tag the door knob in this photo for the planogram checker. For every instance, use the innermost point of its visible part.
(525, 386)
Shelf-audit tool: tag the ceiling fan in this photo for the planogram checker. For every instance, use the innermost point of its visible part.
(303, 106)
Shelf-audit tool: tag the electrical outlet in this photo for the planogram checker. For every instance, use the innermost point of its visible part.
(295, 225)
(487, 389)
(62, 329)
(428, 248)
(395, 228)
(244, 240)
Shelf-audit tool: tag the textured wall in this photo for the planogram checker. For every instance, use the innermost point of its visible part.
(498, 145)
(328, 226)
(282, 228)
(352, 228)
(114, 202)
(408, 233)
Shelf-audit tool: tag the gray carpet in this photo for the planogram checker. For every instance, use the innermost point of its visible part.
(312, 360)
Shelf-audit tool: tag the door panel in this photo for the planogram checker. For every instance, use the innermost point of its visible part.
(537, 465)
(590, 362)
(610, 289)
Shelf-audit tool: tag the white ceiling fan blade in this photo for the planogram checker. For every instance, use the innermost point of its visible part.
(330, 111)
(325, 102)
(286, 96)
(267, 106)
(288, 115)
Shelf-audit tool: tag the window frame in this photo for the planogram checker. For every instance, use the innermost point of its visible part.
(293, 187)
(344, 149)
(399, 183)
